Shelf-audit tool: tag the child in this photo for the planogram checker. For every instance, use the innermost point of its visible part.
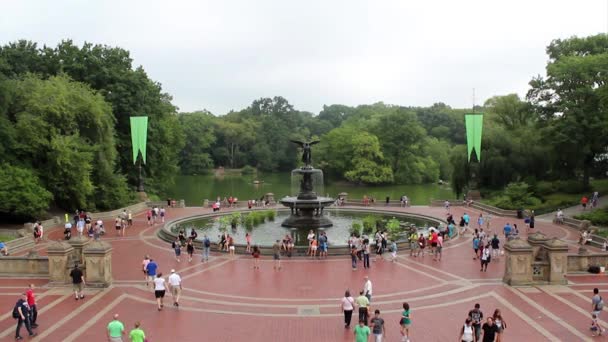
(393, 251)
(256, 257)
(595, 326)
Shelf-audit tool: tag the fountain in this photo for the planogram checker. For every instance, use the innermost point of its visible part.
(307, 208)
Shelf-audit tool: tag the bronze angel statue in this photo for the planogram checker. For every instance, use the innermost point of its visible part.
(306, 153)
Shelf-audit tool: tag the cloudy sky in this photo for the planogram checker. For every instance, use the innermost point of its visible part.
(221, 55)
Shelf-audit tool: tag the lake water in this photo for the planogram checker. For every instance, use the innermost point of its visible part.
(195, 189)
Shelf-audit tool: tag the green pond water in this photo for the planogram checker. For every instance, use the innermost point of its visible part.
(195, 189)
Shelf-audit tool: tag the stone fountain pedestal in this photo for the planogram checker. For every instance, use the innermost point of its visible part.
(307, 207)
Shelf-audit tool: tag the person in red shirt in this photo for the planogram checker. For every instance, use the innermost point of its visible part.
(31, 301)
(584, 201)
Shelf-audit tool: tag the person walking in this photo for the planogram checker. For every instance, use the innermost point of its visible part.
(439, 250)
(495, 242)
(485, 258)
(159, 290)
(206, 249)
(378, 328)
(276, 255)
(177, 248)
(413, 238)
(362, 332)
(366, 251)
(500, 323)
(367, 288)
(393, 250)
(144, 265)
(175, 285)
(151, 268)
(406, 322)
(21, 312)
(353, 257)
(115, 330)
(489, 330)
(31, 302)
(190, 249)
(363, 305)
(597, 303)
(256, 257)
(137, 334)
(347, 305)
(78, 282)
(476, 315)
(248, 240)
(466, 333)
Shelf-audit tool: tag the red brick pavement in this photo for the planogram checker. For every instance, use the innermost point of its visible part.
(226, 300)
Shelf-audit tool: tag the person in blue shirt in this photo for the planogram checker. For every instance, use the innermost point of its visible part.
(151, 271)
(507, 230)
(3, 249)
(466, 219)
(476, 246)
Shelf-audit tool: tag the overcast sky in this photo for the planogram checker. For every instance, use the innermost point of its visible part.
(221, 55)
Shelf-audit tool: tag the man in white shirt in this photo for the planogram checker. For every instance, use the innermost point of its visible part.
(367, 288)
(175, 285)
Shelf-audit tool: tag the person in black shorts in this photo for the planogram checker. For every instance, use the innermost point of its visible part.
(159, 290)
(77, 282)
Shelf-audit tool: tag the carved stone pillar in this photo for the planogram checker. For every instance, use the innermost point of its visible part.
(98, 261)
(518, 263)
(78, 243)
(60, 261)
(537, 240)
(557, 251)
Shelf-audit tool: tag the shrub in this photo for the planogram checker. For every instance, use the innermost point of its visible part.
(597, 217)
(545, 188)
(235, 219)
(570, 186)
(259, 217)
(369, 223)
(356, 229)
(248, 170)
(393, 227)
(271, 214)
(248, 222)
(224, 223)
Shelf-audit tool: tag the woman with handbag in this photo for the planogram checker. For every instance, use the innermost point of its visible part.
(347, 305)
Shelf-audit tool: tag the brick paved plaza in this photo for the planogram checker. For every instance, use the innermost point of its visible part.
(226, 300)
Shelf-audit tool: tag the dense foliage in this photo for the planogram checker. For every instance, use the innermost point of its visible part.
(64, 123)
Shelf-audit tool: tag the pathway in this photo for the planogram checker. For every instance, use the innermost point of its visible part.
(225, 300)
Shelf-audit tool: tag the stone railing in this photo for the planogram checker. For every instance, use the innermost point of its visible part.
(494, 210)
(441, 203)
(580, 262)
(24, 266)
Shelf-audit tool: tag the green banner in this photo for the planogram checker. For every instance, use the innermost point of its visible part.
(474, 125)
(139, 136)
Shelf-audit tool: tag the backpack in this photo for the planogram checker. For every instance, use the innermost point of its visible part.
(16, 311)
(207, 243)
(600, 305)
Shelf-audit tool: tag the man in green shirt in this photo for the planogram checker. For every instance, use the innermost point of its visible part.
(115, 330)
(362, 332)
(363, 304)
(137, 335)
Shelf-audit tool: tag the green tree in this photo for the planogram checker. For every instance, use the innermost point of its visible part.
(510, 111)
(21, 192)
(199, 133)
(572, 101)
(368, 162)
(67, 130)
